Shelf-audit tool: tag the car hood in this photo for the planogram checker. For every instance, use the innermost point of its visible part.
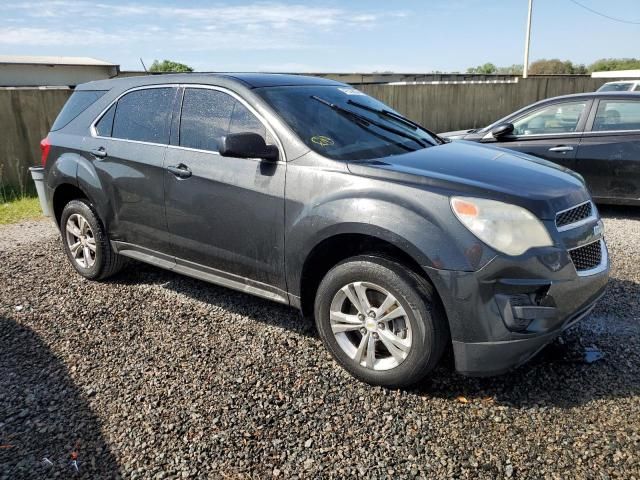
(467, 168)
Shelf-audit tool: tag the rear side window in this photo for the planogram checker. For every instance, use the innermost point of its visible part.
(77, 103)
(617, 115)
(208, 115)
(144, 115)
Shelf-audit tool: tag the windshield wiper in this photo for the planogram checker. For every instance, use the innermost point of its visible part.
(361, 119)
(395, 116)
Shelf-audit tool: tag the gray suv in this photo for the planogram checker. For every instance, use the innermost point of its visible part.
(309, 193)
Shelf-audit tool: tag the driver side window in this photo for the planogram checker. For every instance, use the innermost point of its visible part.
(208, 115)
(556, 118)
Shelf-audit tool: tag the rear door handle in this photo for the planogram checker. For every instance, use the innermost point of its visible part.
(180, 171)
(99, 152)
(561, 149)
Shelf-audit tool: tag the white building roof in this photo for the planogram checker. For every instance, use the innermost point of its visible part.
(42, 60)
(617, 74)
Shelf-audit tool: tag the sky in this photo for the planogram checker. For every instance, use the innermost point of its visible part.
(320, 35)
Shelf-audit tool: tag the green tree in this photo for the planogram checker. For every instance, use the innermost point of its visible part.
(486, 69)
(609, 64)
(555, 66)
(514, 69)
(166, 66)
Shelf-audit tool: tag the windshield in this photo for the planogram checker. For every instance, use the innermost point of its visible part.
(343, 123)
(616, 87)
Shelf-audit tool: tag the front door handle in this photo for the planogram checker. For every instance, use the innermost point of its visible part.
(99, 152)
(561, 149)
(180, 171)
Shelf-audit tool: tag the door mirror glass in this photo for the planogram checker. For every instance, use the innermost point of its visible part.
(247, 145)
(502, 130)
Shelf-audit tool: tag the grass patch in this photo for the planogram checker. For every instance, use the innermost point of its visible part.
(24, 208)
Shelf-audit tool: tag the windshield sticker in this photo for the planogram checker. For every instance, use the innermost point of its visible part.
(322, 140)
(350, 91)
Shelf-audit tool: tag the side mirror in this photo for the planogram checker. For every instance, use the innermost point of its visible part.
(502, 130)
(247, 145)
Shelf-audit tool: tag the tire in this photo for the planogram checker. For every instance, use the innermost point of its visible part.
(90, 240)
(417, 336)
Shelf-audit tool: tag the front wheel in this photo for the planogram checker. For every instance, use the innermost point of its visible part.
(380, 321)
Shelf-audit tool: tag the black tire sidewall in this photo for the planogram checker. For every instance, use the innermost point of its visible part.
(83, 207)
(413, 294)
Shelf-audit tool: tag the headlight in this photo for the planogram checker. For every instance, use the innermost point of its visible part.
(507, 228)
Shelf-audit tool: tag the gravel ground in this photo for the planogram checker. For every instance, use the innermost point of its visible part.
(155, 375)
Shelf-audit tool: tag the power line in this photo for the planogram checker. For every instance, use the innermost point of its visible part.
(604, 15)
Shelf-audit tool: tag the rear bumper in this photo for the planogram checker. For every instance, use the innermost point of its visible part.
(505, 313)
(37, 174)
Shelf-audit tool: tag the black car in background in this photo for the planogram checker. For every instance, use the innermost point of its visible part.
(596, 134)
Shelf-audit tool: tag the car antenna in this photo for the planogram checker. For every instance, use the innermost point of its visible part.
(144, 66)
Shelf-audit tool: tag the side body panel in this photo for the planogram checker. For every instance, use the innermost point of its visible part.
(555, 148)
(324, 199)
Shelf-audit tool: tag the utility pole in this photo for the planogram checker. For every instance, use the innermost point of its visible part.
(525, 69)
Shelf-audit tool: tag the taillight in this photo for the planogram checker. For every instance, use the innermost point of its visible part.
(45, 146)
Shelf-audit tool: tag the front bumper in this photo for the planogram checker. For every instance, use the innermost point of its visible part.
(503, 314)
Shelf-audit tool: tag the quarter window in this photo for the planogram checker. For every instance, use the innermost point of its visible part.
(617, 115)
(208, 115)
(105, 126)
(144, 115)
(557, 118)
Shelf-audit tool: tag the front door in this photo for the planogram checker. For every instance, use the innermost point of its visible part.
(551, 132)
(225, 215)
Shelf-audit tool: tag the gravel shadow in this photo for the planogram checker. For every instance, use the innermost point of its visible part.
(43, 415)
(233, 301)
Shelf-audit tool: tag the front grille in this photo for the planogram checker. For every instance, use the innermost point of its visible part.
(587, 257)
(574, 215)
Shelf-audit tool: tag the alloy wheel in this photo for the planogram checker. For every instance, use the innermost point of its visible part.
(370, 326)
(81, 240)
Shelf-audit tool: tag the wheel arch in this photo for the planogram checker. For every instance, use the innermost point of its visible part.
(335, 248)
(62, 195)
(72, 176)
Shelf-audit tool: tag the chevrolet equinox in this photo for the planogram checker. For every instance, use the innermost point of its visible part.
(308, 192)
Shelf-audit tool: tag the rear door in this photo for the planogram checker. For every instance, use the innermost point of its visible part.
(225, 215)
(609, 154)
(551, 132)
(128, 144)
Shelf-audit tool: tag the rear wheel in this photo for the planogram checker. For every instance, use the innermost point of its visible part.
(380, 321)
(86, 243)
